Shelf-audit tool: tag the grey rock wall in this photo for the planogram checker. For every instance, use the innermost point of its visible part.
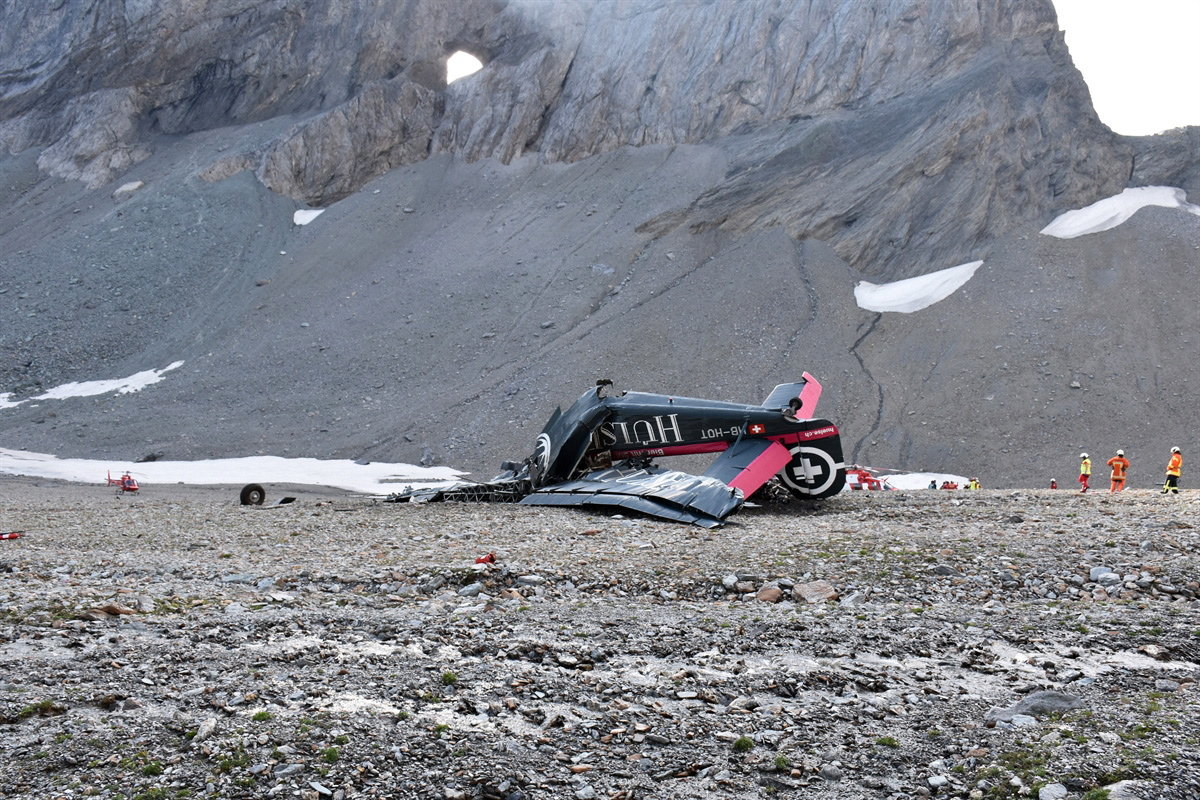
(905, 134)
(138, 69)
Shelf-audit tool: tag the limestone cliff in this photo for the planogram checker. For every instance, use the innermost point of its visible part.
(906, 134)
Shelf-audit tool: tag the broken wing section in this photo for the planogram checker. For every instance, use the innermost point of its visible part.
(663, 493)
(750, 463)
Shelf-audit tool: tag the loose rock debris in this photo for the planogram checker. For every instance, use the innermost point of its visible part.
(881, 646)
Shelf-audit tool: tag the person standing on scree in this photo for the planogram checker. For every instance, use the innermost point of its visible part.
(1085, 471)
(1120, 465)
(1174, 468)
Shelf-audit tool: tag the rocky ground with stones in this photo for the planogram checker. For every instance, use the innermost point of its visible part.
(880, 645)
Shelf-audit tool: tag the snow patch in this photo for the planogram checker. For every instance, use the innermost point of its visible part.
(913, 294)
(134, 383)
(303, 216)
(1112, 211)
(920, 480)
(127, 189)
(372, 478)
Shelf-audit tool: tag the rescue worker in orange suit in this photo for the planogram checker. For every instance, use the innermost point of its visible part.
(1120, 465)
(1085, 471)
(1174, 467)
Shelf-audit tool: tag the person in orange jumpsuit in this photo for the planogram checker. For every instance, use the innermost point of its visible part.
(1085, 471)
(1174, 468)
(1120, 465)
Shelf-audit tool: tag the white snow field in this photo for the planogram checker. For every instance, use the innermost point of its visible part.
(913, 294)
(1112, 211)
(371, 478)
(920, 480)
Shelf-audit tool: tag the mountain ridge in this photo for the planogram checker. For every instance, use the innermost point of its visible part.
(481, 265)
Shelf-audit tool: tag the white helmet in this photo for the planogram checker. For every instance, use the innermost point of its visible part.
(1174, 449)
(1120, 452)
(1083, 455)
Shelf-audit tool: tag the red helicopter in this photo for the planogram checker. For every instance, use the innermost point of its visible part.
(859, 478)
(125, 483)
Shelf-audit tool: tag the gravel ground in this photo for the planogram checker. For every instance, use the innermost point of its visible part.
(984, 644)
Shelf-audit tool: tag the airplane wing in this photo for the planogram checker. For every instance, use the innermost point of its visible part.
(664, 493)
(750, 463)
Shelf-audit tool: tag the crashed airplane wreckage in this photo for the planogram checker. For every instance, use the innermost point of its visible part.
(599, 453)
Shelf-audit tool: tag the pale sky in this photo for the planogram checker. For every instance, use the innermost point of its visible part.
(1140, 59)
(460, 65)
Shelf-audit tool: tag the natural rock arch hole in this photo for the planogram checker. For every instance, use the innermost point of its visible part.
(460, 65)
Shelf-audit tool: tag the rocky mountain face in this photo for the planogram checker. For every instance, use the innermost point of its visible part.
(849, 124)
(679, 195)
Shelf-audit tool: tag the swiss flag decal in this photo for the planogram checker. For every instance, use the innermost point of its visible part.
(757, 428)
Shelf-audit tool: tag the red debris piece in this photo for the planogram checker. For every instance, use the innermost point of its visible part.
(490, 558)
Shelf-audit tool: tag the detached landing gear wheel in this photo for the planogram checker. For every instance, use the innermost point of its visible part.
(813, 473)
(252, 495)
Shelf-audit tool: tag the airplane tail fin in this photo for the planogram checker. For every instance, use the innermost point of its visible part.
(801, 397)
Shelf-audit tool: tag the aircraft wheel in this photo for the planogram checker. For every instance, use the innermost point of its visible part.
(812, 473)
(252, 495)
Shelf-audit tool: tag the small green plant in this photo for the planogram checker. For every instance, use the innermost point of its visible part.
(887, 741)
(782, 762)
(743, 744)
(449, 678)
(238, 758)
(261, 716)
(341, 739)
(45, 708)
(440, 728)
(157, 793)
(1139, 731)
(1025, 763)
(330, 755)
(1096, 794)
(153, 768)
